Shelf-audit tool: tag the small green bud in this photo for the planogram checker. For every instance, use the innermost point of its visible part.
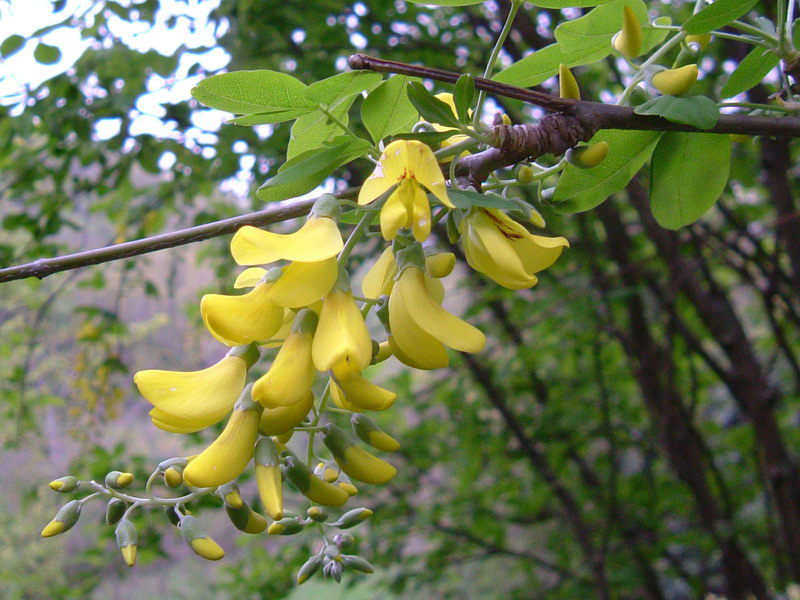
(317, 513)
(368, 431)
(287, 526)
(333, 569)
(586, 157)
(525, 174)
(173, 476)
(65, 518)
(64, 484)
(352, 518)
(196, 537)
(114, 510)
(309, 568)
(357, 563)
(246, 519)
(118, 480)
(344, 540)
(126, 541)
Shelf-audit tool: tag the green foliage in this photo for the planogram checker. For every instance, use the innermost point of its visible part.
(697, 111)
(749, 72)
(716, 15)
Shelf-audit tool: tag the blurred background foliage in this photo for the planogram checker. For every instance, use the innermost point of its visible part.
(632, 424)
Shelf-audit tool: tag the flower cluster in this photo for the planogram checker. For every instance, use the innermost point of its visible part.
(300, 306)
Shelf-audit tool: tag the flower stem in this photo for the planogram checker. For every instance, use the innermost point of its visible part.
(355, 236)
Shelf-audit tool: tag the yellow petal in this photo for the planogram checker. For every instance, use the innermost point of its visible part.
(432, 318)
(228, 455)
(303, 283)
(539, 252)
(380, 277)
(395, 213)
(318, 239)
(291, 375)
(421, 215)
(268, 479)
(492, 252)
(249, 277)
(363, 466)
(362, 392)
(275, 421)
(204, 396)
(424, 168)
(237, 320)
(166, 426)
(207, 548)
(342, 335)
(410, 343)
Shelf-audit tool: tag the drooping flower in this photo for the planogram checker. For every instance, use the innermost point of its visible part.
(277, 421)
(318, 239)
(379, 279)
(250, 317)
(291, 375)
(341, 337)
(420, 326)
(190, 401)
(303, 283)
(412, 167)
(504, 250)
(228, 455)
(358, 390)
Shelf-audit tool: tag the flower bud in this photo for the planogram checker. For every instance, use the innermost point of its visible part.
(352, 518)
(114, 510)
(198, 540)
(344, 540)
(65, 518)
(628, 42)
(384, 352)
(268, 477)
(308, 569)
(126, 541)
(586, 157)
(173, 476)
(246, 519)
(287, 526)
(525, 174)
(348, 487)
(356, 462)
(506, 119)
(310, 485)
(368, 431)
(698, 41)
(118, 480)
(317, 513)
(357, 563)
(64, 484)
(674, 82)
(440, 264)
(568, 86)
(333, 569)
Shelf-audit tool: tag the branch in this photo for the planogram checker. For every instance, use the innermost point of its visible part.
(43, 267)
(604, 116)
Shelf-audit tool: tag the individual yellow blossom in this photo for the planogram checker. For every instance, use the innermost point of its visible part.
(379, 279)
(504, 250)
(228, 455)
(341, 336)
(251, 317)
(277, 421)
(291, 375)
(412, 167)
(318, 239)
(197, 399)
(360, 391)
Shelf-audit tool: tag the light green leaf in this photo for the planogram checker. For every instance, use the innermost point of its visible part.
(343, 85)
(582, 189)
(430, 107)
(463, 93)
(11, 44)
(250, 92)
(751, 71)
(717, 15)
(387, 109)
(697, 111)
(46, 54)
(543, 64)
(468, 199)
(312, 130)
(305, 172)
(594, 30)
(688, 173)
(447, 2)
(557, 4)
(275, 116)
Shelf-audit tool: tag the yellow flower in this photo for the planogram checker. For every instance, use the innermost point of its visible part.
(197, 399)
(318, 239)
(277, 421)
(342, 336)
(409, 165)
(504, 250)
(447, 98)
(228, 455)
(291, 375)
(359, 391)
(420, 326)
(251, 317)
(303, 283)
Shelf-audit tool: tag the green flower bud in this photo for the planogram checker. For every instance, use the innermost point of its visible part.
(352, 518)
(230, 495)
(64, 484)
(246, 519)
(114, 510)
(196, 537)
(357, 563)
(317, 513)
(286, 526)
(126, 541)
(586, 157)
(344, 540)
(368, 431)
(333, 569)
(309, 568)
(118, 480)
(173, 476)
(65, 518)
(568, 86)
(628, 42)
(525, 174)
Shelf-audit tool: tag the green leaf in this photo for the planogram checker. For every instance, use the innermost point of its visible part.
(11, 44)
(431, 108)
(352, 217)
(447, 2)
(688, 173)
(697, 111)
(312, 130)
(343, 85)
(432, 138)
(468, 199)
(543, 64)
(46, 54)
(594, 30)
(558, 4)
(387, 109)
(752, 70)
(582, 189)
(305, 172)
(717, 15)
(275, 116)
(462, 96)
(250, 92)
